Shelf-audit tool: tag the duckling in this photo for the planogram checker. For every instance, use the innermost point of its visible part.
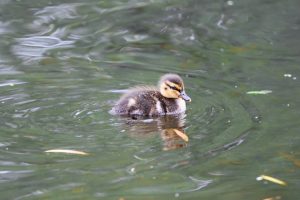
(166, 99)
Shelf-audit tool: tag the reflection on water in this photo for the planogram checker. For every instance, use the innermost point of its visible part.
(34, 48)
(170, 127)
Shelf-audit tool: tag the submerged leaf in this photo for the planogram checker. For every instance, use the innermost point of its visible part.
(66, 151)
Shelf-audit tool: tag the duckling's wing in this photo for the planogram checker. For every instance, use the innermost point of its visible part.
(140, 100)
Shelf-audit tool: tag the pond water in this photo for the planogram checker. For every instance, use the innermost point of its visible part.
(64, 64)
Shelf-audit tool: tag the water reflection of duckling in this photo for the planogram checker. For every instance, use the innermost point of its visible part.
(173, 138)
(170, 127)
(168, 98)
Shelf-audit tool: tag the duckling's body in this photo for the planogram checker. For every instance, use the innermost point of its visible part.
(169, 98)
(148, 101)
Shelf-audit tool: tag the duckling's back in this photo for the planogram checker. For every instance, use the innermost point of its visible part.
(139, 101)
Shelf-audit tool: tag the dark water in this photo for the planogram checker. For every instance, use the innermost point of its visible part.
(64, 64)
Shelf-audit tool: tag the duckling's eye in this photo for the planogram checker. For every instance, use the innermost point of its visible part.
(173, 88)
(166, 88)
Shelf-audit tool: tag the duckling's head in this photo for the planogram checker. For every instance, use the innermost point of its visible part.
(171, 86)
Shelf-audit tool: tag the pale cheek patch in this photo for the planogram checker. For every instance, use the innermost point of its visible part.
(131, 102)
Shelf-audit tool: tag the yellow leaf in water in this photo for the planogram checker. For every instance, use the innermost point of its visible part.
(271, 179)
(182, 135)
(66, 151)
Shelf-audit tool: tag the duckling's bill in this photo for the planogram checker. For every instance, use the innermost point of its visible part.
(185, 97)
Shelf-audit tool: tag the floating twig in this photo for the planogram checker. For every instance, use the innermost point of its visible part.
(66, 151)
(259, 92)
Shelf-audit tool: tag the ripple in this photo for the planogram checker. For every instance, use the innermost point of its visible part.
(5, 27)
(45, 19)
(179, 187)
(25, 102)
(14, 97)
(8, 175)
(11, 83)
(135, 38)
(200, 183)
(61, 11)
(11, 163)
(125, 6)
(4, 144)
(32, 194)
(34, 48)
(8, 70)
(60, 187)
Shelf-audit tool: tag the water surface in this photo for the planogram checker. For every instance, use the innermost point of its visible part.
(63, 65)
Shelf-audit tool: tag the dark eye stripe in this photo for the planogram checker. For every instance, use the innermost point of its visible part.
(173, 88)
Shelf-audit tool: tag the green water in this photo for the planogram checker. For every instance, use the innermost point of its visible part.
(64, 64)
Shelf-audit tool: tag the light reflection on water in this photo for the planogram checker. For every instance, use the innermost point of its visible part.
(32, 48)
(63, 65)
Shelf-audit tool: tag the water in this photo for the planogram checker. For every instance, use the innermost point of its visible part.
(64, 64)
